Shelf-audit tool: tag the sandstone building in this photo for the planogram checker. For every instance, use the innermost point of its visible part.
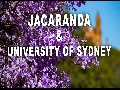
(94, 32)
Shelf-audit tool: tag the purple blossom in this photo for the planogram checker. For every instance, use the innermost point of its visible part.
(84, 40)
(39, 71)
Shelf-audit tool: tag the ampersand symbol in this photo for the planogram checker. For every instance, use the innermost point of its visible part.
(59, 38)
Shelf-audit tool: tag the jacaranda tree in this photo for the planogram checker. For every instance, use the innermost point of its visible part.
(37, 71)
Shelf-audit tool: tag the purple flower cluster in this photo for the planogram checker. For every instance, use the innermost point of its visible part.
(21, 74)
(40, 71)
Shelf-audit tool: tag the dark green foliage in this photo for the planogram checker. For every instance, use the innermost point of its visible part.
(106, 75)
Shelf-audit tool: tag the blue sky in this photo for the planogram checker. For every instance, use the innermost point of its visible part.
(110, 19)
